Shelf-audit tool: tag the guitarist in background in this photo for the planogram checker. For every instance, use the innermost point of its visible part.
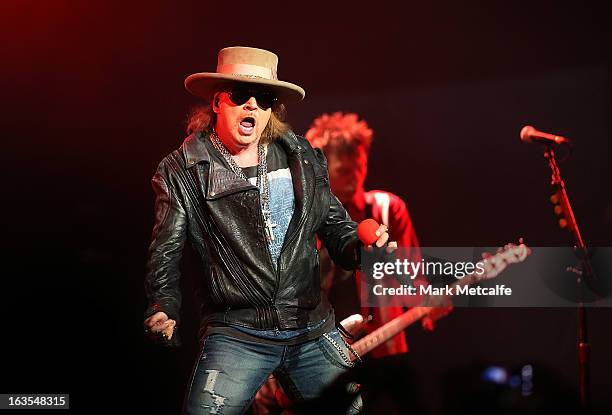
(346, 142)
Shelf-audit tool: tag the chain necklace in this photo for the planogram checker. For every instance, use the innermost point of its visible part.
(263, 184)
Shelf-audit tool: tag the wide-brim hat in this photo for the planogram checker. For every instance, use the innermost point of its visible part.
(245, 65)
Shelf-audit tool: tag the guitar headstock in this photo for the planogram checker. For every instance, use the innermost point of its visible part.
(508, 254)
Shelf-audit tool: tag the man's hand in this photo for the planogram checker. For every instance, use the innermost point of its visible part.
(383, 237)
(159, 323)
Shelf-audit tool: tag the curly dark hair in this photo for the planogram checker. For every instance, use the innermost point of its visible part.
(340, 132)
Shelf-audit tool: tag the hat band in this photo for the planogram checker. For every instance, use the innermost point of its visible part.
(244, 69)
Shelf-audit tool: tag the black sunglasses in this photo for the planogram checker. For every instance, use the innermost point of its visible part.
(241, 94)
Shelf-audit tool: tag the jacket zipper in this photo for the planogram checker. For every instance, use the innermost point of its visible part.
(286, 243)
(275, 317)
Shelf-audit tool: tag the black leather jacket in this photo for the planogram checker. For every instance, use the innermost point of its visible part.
(200, 199)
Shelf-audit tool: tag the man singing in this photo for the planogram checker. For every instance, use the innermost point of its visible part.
(250, 197)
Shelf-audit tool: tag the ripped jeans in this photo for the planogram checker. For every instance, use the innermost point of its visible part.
(230, 371)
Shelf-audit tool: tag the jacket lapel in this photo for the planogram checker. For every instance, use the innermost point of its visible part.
(302, 176)
(221, 180)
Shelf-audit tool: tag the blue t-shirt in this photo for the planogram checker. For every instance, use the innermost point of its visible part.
(282, 200)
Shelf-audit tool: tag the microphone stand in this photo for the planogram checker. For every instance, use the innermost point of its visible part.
(583, 346)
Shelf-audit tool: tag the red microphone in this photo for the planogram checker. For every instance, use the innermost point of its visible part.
(366, 231)
(531, 135)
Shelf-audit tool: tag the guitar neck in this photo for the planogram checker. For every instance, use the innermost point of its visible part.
(400, 323)
(388, 330)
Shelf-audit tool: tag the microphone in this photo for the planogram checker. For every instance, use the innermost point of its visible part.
(531, 135)
(366, 231)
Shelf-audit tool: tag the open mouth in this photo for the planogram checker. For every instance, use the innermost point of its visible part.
(247, 125)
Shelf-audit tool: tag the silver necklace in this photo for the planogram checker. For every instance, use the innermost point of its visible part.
(263, 183)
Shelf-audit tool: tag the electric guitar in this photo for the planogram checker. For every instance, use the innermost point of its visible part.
(493, 266)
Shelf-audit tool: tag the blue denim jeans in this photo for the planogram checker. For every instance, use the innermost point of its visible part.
(229, 371)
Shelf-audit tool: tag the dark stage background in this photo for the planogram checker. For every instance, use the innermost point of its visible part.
(92, 100)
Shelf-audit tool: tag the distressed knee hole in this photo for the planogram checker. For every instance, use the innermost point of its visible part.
(212, 401)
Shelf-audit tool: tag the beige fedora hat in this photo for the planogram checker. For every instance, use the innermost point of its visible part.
(243, 64)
